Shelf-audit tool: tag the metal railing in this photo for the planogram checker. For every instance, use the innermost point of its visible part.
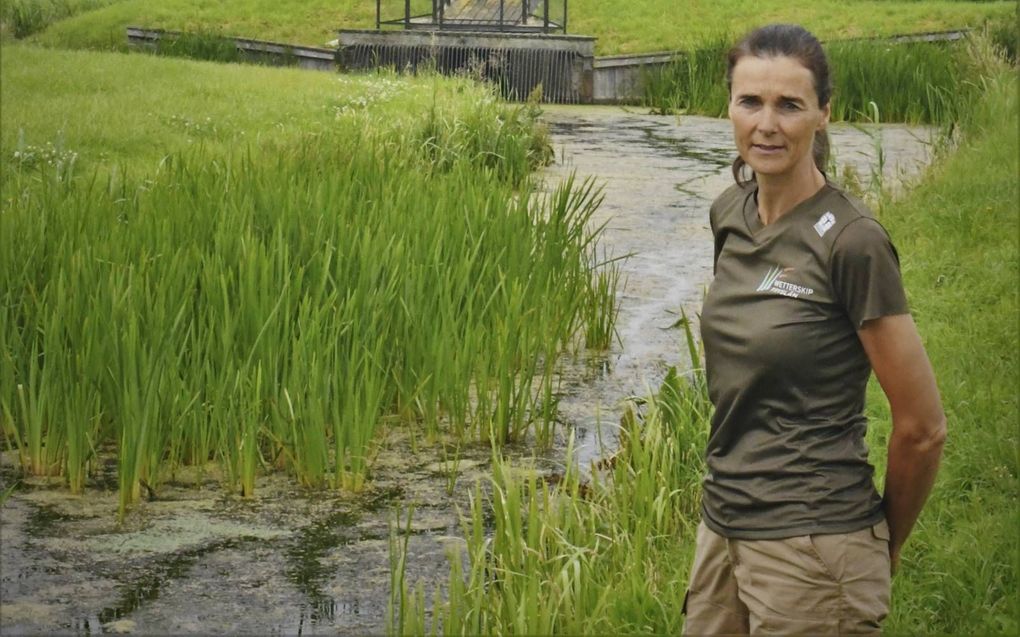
(494, 15)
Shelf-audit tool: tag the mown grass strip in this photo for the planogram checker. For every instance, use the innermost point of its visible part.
(125, 113)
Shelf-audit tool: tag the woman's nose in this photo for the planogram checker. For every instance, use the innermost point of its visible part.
(767, 120)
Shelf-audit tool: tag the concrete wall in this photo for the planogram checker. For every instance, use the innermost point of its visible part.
(617, 79)
(273, 53)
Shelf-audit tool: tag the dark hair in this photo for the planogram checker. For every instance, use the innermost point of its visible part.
(787, 40)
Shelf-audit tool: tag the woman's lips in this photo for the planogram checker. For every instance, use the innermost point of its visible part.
(765, 148)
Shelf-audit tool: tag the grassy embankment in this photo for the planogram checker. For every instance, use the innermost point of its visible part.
(957, 234)
(662, 25)
(621, 27)
(263, 268)
(611, 557)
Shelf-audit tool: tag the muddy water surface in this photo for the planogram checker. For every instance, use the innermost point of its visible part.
(196, 560)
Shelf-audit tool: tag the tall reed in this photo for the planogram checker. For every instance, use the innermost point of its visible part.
(580, 557)
(916, 82)
(268, 312)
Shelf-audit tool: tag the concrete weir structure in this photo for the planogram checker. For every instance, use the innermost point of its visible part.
(619, 79)
(515, 62)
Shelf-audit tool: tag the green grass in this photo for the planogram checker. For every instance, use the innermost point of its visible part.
(957, 234)
(621, 27)
(303, 262)
(612, 557)
(310, 23)
(132, 110)
(664, 25)
(127, 112)
(21, 18)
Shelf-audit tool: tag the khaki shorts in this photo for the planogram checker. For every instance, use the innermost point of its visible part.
(809, 585)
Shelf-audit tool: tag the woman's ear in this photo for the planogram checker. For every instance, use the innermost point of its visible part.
(826, 112)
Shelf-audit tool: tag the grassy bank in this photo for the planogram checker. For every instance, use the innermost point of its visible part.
(310, 23)
(661, 25)
(129, 111)
(957, 233)
(611, 556)
(22, 18)
(621, 27)
(272, 302)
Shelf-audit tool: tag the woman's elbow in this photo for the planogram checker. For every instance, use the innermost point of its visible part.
(923, 435)
(935, 440)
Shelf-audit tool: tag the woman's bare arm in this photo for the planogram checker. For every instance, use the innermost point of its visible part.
(919, 425)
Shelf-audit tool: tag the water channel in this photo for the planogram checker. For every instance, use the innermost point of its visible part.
(196, 560)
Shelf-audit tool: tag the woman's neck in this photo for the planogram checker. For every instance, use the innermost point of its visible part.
(779, 194)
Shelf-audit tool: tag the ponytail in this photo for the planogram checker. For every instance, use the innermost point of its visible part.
(820, 150)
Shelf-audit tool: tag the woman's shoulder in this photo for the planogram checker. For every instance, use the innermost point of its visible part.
(847, 205)
(851, 230)
(854, 221)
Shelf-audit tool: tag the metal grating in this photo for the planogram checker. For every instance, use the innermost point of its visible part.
(515, 72)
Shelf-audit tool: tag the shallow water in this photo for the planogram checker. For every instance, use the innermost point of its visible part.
(197, 560)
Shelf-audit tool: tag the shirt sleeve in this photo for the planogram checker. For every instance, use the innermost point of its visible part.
(865, 272)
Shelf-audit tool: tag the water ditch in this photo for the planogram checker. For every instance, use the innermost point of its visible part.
(196, 560)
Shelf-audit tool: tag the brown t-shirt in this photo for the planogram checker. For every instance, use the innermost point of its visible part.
(786, 370)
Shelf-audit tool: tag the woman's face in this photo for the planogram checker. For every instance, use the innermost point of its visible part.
(775, 113)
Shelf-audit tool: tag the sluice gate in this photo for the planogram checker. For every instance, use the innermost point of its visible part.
(516, 63)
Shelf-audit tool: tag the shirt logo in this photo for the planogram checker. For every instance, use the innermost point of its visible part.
(825, 222)
(774, 283)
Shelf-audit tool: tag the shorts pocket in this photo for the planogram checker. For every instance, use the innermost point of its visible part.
(822, 565)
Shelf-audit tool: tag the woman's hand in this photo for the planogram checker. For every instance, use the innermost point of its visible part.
(919, 425)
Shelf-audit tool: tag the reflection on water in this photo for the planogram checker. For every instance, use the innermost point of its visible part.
(290, 562)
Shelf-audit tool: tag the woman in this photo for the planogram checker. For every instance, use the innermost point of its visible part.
(806, 301)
